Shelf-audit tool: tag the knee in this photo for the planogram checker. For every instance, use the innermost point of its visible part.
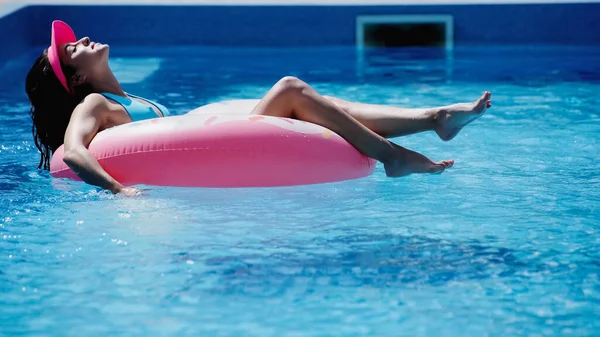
(290, 84)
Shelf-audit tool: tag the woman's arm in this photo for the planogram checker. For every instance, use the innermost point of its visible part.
(85, 122)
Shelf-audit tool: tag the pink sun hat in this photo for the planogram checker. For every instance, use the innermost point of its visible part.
(61, 33)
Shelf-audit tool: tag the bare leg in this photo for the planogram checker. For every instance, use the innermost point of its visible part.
(292, 98)
(389, 121)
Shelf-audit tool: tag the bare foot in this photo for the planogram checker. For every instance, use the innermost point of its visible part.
(454, 117)
(408, 162)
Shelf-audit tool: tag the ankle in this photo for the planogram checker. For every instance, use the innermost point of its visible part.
(389, 153)
(438, 115)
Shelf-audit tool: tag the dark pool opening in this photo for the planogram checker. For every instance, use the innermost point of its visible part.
(427, 34)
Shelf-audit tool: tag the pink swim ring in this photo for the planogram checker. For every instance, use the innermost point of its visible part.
(222, 150)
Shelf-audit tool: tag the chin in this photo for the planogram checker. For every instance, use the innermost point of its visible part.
(104, 50)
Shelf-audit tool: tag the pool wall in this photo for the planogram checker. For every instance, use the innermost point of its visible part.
(269, 24)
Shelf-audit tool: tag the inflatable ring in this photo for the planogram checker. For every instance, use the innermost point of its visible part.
(207, 150)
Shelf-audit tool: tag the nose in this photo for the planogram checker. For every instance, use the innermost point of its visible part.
(84, 41)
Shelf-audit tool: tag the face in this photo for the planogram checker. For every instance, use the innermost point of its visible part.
(86, 56)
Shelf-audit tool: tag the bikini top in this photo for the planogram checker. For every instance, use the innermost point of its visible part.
(137, 110)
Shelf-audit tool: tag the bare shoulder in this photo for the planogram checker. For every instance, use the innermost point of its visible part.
(92, 104)
(102, 109)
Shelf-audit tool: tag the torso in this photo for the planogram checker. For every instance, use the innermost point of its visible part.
(115, 116)
(118, 115)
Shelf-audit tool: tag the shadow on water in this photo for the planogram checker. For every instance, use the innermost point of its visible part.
(378, 261)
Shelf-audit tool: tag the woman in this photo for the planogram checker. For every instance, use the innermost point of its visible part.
(74, 95)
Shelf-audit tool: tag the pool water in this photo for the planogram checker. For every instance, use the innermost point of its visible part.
(505, 243)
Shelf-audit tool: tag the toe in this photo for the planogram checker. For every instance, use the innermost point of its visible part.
(484, 99)
(444, 164)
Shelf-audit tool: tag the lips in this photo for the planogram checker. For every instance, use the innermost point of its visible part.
(93, 45)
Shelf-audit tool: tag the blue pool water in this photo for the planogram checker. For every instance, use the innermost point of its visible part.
(506, 243)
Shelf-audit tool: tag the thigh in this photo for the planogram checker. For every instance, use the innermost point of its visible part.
(277, 102)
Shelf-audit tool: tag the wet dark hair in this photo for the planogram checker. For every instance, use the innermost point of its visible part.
(51, 105)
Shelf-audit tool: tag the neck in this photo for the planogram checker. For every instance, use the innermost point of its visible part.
(107, 82)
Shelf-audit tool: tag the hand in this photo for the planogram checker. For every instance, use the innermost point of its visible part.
(130, 191)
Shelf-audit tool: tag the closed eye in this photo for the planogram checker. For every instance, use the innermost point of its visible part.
(72, 50)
